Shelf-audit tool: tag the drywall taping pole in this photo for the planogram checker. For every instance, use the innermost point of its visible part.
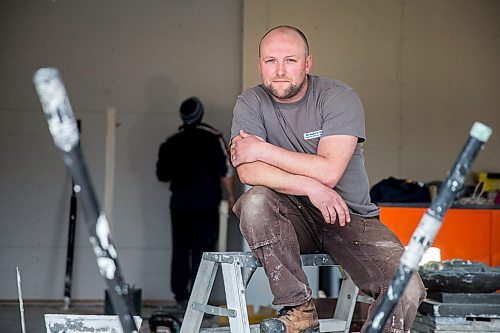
(70, 251)
(63, 127)
(21, 304)
(429, 225)
(109, 174)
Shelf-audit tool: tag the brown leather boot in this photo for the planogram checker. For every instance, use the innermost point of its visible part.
(302, 318)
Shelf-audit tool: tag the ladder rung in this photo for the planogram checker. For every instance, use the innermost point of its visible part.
(331, 325)
(214, 310)
(364, 299)
(247, 259)
(226, 329)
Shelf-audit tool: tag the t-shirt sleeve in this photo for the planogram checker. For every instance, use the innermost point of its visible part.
(247, 116)
(343, 114)
(225, 168)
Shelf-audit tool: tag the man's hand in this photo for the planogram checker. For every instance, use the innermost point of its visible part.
(245, 148)
(331, 205)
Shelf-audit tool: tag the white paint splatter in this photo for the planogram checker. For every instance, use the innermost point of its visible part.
(57, 109)
(421, 238)
(390, 293)
(276, 274)
(377, 319)
(97, 250)
(102, 231)
(107, 267)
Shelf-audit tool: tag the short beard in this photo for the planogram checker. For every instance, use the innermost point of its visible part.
(290, 92)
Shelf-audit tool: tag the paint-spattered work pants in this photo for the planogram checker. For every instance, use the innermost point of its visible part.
(280, 227)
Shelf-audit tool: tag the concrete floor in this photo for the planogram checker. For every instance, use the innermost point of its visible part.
(10, 318)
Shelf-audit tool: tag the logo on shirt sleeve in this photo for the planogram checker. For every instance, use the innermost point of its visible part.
(312, 135)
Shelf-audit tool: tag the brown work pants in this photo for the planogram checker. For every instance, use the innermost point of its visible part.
(279, 227)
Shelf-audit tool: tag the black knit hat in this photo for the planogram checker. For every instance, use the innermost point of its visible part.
(192, 110)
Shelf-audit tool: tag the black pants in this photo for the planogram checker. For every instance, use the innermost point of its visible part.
(193, 232)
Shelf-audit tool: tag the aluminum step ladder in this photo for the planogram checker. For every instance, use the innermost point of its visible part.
(235, 287)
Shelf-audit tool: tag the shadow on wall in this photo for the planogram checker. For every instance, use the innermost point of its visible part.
(147, 130)
(162, 94)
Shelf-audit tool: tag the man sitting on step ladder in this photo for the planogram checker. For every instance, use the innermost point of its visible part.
(297, 139)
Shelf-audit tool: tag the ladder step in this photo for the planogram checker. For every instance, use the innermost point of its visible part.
(247, 259)
(325, 325)
(214, 310)
(332, 325)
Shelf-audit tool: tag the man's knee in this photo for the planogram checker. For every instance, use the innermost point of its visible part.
(256, 201)
(257, 212)
(415, 291)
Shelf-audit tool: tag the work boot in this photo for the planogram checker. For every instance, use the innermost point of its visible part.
(301, 318)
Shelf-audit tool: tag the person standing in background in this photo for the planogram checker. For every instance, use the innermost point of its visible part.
(195, 161)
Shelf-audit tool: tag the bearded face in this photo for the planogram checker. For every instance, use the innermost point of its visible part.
(282, 90)
(284, 65)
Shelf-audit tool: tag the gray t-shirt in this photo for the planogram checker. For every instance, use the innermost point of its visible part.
(329, 107)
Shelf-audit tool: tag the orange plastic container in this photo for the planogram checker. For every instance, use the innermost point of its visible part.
(468, 234)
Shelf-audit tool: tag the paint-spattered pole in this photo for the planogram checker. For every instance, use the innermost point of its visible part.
(21, 304)
(64, 130)
(70, 252)
(68, 281)
(429, 225)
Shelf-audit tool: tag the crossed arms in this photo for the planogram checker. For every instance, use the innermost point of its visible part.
(261, 163)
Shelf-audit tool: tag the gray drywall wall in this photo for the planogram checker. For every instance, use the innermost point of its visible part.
(424, 70)
(142, 58)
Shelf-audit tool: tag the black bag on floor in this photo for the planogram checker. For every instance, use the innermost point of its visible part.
(399, 190)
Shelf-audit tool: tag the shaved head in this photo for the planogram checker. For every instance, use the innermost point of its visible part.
(287, 28)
